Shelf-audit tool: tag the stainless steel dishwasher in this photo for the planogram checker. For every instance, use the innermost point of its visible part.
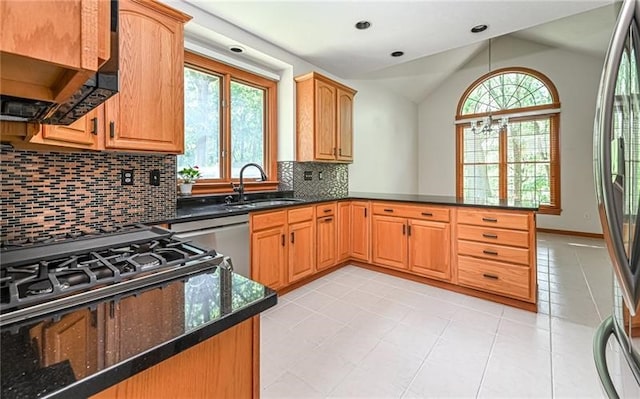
(228, 235)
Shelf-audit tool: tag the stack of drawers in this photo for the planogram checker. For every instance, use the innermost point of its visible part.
(496, 252)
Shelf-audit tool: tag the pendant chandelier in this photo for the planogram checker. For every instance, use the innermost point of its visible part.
(485, 125)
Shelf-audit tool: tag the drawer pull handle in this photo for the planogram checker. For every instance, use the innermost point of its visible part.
(427, 214)
(488, 235)
(328, 219)
(488, 252)
(490, 276)
(327, 210)
(490, 220)
(388, 210)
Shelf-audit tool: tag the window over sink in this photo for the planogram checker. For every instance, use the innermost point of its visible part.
(230, 120)
(507, 134)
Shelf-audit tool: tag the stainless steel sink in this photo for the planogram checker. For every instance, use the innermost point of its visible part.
(264, 203)
(275, 201)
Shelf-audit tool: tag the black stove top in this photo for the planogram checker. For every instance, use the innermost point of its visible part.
(43, 274)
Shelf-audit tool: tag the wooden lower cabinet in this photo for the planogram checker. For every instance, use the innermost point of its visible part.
(224, 366)
(389, 241)
(301, 254)
(343, 244)
(360, 231)
(268, 256)
(430, 249)
(325, 242)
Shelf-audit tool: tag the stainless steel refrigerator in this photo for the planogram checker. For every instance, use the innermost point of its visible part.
(617, 178)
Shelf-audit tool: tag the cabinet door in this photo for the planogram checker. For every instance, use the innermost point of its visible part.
(148, 112)
(360, 231)
(344, 231)
(345, 125)
(429, 249)
(302, 257)
(61, 342)
(268, 257)
(326, 242)
(325, 129)
(83, 133)
(389, 241)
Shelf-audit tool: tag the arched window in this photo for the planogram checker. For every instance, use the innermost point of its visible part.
(507, 126)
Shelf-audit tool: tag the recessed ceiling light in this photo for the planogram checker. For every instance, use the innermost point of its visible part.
(236, 49)
(479, 28)
(397, 54)
(362, 25)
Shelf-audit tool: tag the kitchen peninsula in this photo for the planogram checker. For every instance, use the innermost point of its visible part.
(161, 341)
(477, 247)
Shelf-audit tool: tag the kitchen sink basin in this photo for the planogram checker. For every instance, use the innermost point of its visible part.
(264, 203)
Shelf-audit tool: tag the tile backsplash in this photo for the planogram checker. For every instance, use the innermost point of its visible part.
(314, 179)
(58, 192)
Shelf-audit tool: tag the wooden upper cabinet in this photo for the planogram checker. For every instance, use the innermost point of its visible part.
(48, 49)
(148, 112)
(345, 125)
(86, 132)
(324, 119)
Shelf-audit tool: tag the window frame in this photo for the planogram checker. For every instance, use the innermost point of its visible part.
(227, 74)
(554, 140)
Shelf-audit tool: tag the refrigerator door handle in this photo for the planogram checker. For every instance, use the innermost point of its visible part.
(610, 196)
(601, 337)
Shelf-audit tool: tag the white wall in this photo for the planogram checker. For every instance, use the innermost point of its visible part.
(576, 77)
(385, 142)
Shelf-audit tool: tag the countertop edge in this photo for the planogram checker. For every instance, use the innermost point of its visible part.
(350, 197)
(128, 368)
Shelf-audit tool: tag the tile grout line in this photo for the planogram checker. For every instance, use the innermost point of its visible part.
(550, 324)
(424, 360)
(486, 365)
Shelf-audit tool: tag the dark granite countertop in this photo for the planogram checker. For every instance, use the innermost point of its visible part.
(198, 208)
(99, 344)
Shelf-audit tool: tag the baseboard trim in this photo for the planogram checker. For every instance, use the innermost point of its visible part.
(570, 233)
(532, 307)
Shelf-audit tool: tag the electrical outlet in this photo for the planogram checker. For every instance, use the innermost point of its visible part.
(308, 175)
(154, 177)
(126, 177)
(320, 175)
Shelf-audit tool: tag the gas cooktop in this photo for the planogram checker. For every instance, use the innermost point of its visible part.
(38, 277)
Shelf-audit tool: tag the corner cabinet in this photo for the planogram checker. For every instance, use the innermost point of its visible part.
(148, 112)
(324, 119)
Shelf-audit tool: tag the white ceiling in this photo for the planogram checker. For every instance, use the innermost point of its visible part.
(323, 33)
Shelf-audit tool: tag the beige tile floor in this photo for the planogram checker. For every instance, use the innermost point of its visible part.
(358, 333)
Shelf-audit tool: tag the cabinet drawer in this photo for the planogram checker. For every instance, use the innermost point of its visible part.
(497, 277)
(411, 211)
(266, 220)
(300, 214)
(326, 209)
(494, 252)
(518, 221)
(517, 238)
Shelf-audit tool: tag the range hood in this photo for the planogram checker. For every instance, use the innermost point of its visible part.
(96, 90)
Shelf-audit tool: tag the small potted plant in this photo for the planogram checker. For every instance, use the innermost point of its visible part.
(188, 176)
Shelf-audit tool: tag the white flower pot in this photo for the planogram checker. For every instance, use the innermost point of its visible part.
(185, 188)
